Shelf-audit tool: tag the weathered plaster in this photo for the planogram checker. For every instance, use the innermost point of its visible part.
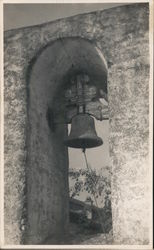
(122, 36)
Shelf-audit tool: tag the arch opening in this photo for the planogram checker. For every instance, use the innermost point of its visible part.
(48, 187)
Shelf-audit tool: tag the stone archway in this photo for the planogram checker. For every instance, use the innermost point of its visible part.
(47, 169)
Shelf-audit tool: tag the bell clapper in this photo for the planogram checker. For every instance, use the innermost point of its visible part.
(83, 150)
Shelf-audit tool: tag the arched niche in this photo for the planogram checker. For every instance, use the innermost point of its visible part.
(47, 168)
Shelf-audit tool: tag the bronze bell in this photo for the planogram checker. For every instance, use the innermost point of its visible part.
(83, 133)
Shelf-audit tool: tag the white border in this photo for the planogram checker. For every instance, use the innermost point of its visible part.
(151, 26)
(150, 130)
(75, 1)
(131, 247)
(1, 130)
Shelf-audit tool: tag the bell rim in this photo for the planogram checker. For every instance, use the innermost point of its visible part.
(73, 143)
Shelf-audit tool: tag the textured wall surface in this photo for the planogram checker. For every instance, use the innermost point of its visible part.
(122, 36)
(48, 160)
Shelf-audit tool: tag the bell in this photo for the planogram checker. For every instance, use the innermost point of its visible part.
(83, 133)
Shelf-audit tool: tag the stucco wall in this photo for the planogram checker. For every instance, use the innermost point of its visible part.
(122, 36)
